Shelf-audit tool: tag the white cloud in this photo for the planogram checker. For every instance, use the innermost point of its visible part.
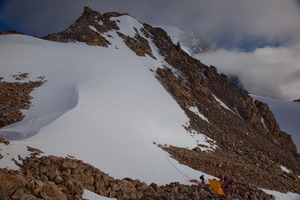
(271, 72)
(231, 23)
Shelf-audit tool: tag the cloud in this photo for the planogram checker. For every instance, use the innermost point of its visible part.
(234, 25)
(270, 72)
(40, 18)
(226, 23)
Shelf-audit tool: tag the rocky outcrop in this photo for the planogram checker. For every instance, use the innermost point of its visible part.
(235, 82)
(91, 26)
(10, 32)
(247, 147)
(176, 86)
(138, 44)
(50, 177)
(268, 118)
(88, 28)
(14, 185)
(15, 96)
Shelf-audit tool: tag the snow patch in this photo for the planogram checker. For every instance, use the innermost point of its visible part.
(196, 111)
(263, 122)
(94, 29)
(282, 196)
(237, 112)
(204, 142)
(283, 168)
(93, 196)
(222, 104)
(12, 151)
(100, 23)
(128, 25)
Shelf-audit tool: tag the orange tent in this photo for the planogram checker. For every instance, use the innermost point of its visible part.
(215, 186)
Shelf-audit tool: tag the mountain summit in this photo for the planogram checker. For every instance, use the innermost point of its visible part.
(120, 95)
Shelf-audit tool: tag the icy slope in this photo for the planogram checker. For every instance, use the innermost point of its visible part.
(101, 105)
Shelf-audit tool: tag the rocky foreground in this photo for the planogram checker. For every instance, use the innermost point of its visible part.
(50, 177)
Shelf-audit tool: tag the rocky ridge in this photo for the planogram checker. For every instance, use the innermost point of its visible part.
(91, 26)
(235, 82)
(250, 150)
(50, 177)
(246, 132)
(88, 28)
(10, 32)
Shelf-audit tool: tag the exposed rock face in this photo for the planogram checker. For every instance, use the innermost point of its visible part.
(10, 32)
(13, 98)
(138, 44)
(248, 146)
(268, 118)
(91, 26)
(235, 82)
(88, 28)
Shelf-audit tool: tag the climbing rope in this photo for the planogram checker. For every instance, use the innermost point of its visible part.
(188, 178)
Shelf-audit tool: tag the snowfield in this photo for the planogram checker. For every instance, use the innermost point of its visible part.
(100, 105)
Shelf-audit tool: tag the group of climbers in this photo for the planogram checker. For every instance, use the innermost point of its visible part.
(228, 184)
(221, 187)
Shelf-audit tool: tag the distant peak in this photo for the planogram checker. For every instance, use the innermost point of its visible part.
(87, 9)
(297, 100)
(81, 31)
(10, 32)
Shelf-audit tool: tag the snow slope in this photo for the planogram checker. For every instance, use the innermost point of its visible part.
(101, 105)
(287, 115)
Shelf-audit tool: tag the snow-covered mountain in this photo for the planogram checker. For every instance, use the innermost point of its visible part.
(190, 42)
(120, 95)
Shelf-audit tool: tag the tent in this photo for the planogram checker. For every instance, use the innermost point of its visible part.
(215, 186)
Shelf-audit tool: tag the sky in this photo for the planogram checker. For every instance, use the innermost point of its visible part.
(244, 32)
